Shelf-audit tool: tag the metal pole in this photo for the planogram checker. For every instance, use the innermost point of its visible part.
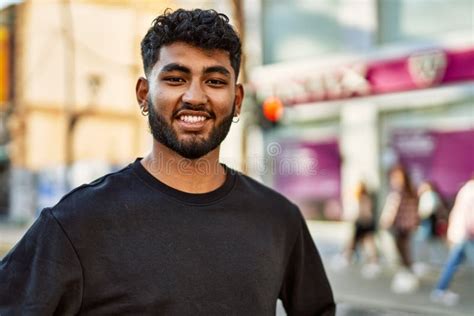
(69, 88)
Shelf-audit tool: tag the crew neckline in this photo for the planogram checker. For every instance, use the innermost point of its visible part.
(189, 198)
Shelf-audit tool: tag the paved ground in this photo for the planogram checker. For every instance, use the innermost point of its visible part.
(351, 288)
(355, 294)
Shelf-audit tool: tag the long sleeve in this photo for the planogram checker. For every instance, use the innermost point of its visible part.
(306, 289)
(390, 209)
(42, 274)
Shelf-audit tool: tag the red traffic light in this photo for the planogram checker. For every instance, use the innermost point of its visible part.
(273, 109)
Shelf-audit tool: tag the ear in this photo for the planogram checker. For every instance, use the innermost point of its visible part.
(141, 91)
(239, 98)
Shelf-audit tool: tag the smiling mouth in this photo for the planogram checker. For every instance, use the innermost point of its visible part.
(192, 119)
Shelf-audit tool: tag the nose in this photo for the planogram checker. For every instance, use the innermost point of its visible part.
(195, 94)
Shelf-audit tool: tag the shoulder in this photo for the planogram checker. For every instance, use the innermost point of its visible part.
(90, 197)
(256, 193)
(467, 190)
(258, 190)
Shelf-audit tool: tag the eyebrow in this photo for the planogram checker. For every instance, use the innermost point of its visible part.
(219, 69)
(175, 67)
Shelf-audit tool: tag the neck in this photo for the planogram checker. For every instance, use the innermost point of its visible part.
(192, 176)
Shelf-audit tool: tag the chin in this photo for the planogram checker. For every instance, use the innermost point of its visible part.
(193, 140)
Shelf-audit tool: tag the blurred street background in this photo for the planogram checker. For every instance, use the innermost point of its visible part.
(337, 93)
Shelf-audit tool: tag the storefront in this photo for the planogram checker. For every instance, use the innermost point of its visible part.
(364, 115)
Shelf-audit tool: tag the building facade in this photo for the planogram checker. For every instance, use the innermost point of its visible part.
(366, 85)
(67, 104)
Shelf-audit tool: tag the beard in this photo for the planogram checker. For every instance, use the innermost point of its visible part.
(197, 146)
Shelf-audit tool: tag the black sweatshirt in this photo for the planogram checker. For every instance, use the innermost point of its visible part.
(127, 244)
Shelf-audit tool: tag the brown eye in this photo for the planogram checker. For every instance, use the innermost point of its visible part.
(216, 82)
(174, 80)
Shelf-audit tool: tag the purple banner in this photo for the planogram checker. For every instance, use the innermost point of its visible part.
(445, 158)
(453, 160)
(309, 170)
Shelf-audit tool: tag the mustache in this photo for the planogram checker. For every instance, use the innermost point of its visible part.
(191, 107)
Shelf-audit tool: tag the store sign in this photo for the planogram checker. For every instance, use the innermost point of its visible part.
(419, 70)
(427, 69)
(344, 83)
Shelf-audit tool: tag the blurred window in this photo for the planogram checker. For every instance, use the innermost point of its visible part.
(418, 20)
(299, 29)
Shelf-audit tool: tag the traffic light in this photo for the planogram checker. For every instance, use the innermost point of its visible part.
(271, 112)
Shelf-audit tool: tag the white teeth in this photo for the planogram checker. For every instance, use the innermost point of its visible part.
(192, 119)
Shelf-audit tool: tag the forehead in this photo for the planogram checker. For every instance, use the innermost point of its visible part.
(192, 57)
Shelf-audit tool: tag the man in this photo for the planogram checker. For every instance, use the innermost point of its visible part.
(174, 233)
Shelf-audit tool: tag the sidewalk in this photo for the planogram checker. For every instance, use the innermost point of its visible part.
(353, 291)
(350, 287)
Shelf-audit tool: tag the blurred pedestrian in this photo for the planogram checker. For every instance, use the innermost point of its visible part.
(177, 232)
(364, 231)
(432, 212)
(460, 236)
(400, 217)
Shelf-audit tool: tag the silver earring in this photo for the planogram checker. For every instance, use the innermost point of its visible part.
(144, 112)
(236, 119)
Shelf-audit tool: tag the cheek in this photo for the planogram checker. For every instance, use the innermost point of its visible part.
(224, 103)
(164, 101)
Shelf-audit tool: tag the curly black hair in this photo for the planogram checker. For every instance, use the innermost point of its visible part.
(206, 29)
